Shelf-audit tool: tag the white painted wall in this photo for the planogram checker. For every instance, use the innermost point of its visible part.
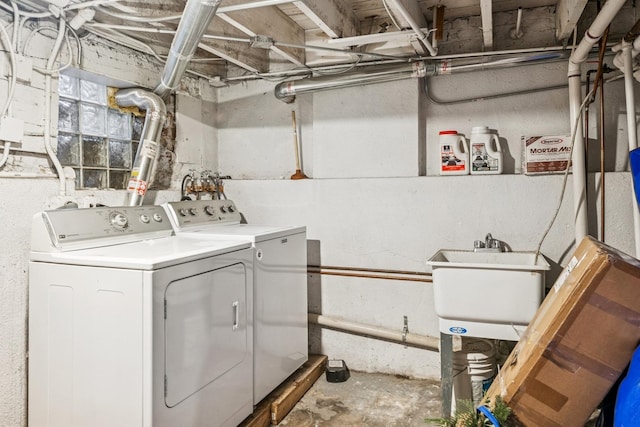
(366, 206)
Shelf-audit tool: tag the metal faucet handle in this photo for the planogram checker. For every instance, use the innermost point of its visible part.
(478, 244)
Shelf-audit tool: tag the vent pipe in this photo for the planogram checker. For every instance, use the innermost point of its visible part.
(287, 91)
(149, 140)
(195, 19)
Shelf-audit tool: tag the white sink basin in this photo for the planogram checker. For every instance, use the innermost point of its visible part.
(487, 294)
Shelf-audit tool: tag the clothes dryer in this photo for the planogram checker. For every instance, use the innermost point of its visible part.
(130, 325)
(280, 284)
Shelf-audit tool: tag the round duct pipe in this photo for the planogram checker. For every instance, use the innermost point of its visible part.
(149, 140)
(287, 90)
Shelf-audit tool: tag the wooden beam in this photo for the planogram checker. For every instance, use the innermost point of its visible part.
(334, 17)
(269, 21)
(414, 10)
(487, 23)
(567, 14)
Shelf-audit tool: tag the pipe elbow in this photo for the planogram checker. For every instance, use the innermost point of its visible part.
(146, 100)
(285, 92)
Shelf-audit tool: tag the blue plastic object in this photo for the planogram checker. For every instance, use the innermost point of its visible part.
(487, 413)
(627, 410)
(634, 161)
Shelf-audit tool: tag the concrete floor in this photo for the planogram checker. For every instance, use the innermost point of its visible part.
(371, 400)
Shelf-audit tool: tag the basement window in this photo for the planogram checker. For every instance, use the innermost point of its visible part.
(98, 142)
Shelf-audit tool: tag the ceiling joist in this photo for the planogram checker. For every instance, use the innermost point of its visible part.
(333, 17)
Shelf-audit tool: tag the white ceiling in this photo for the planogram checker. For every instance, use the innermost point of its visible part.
(261, 36)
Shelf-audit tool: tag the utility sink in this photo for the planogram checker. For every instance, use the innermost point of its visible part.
(487, 294)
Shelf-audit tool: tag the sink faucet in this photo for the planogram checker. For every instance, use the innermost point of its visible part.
(489, 245)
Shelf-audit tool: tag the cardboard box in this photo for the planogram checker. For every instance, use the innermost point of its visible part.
(578, 343)
(546, 154)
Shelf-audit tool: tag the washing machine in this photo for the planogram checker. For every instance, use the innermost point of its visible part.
(130, 325)
(280, 284)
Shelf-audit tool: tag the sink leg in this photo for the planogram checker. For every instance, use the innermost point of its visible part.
(446, 372)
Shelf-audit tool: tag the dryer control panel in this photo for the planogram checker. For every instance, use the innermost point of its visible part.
(191, 214)
(61, 229)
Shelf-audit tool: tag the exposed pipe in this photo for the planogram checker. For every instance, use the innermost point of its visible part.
(414, 26)
(47, 107)
(371, 270)
(195, 19)
(370, 276)
(627, 56)
(579, 55)
(286, 91)
(400, 337)
(149, 140)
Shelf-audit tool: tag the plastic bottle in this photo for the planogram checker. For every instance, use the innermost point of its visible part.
(454, 153)
(486, 154)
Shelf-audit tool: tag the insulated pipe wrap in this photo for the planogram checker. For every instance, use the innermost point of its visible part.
(149, 140)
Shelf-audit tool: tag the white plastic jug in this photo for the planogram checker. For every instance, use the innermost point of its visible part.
(454, 153)
(486, 153)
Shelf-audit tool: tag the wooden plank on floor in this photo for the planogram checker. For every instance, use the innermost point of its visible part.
(297, 385)
(273, 408)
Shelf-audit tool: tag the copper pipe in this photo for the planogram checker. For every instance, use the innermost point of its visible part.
(371, 270)
(368, 276)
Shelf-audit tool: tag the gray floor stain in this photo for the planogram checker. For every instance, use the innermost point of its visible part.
(367, 400)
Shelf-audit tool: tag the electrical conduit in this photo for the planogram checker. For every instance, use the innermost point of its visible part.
(47, 106)
(579, 56)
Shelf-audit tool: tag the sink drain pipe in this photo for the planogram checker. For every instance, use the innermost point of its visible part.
(400, 337)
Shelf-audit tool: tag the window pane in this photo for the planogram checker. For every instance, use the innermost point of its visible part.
(118, 180)
(67, 115)
(92, 178)
(119, 154)
(119, 125)
(93, 119)
(68, 149)
(68, 87)
(94, 151)
(93, 92)
(138, 124)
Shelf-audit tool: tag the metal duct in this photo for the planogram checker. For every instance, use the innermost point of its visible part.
(149, 140)
(287, 91)
(195, 19)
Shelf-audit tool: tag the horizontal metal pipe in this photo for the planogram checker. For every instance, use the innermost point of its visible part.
(369, 276)
(372, 270)
(400, 337)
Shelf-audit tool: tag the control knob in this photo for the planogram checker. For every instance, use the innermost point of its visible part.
(144, 219)
(223, 209)
(119, 221)
(193, 211)
(182, 212)
(230, 208)
(209, 210)
(157, 217)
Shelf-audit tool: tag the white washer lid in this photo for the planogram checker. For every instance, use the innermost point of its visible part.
(144, 255)
(251, 232)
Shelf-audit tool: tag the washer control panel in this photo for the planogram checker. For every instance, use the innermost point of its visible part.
(75, 226)
(193, 213)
